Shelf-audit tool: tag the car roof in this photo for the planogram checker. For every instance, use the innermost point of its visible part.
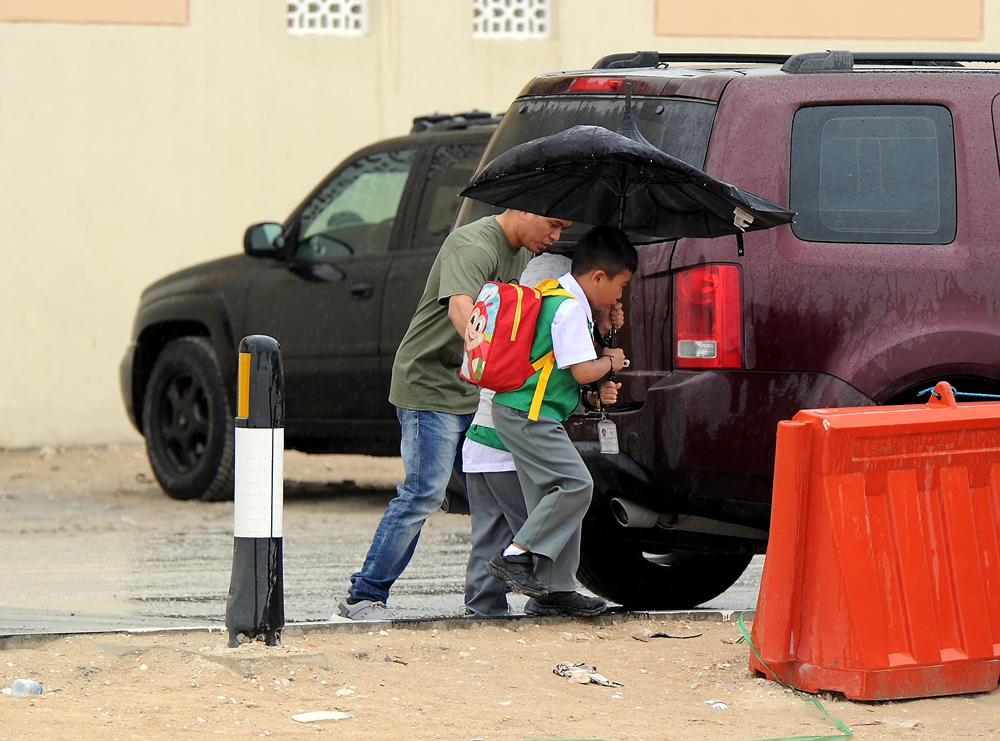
(446, 128)
(439, 122)
(705, 75)
(429, 129)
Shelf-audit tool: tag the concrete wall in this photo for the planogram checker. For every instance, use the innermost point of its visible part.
(132, 145)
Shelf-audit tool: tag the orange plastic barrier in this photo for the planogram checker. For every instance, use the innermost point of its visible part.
(882, 576)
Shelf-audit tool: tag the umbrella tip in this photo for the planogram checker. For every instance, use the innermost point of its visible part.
(627, 127)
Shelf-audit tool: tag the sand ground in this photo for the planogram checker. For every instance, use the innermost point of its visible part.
(446, 679)
(465, 681)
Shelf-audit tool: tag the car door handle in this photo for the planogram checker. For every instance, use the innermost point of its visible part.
(362, 290)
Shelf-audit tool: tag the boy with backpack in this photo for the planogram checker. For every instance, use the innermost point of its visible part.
(496, 504)
(555, 483)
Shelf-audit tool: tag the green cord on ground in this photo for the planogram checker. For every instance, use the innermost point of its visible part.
(550, 735)
(846, 732)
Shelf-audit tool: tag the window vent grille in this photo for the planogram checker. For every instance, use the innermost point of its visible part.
(510, 19)
(329, 17)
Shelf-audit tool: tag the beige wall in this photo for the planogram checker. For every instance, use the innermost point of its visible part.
(128, 150)
(909, 20)
(147, 12)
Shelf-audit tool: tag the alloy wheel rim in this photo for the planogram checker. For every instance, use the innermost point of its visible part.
(184, 421)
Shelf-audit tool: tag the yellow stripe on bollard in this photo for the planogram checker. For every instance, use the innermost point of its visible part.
(243, 394)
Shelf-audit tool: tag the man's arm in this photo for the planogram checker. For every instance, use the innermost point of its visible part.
(459, 311)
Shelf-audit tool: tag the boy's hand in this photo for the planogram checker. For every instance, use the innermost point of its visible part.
(617, 356)
(613, 317)
(609, 393)
(590, 371)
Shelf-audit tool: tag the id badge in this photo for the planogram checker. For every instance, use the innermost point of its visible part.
(607, 433)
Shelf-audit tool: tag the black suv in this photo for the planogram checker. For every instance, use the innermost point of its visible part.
(335, 284)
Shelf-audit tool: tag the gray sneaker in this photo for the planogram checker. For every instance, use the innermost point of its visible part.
(365, 610)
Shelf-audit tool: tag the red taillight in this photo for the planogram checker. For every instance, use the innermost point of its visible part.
(708, 317)
(596, 85)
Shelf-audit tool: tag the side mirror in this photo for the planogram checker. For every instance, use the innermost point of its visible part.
(263, 240)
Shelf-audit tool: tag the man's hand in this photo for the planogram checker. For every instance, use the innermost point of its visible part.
(613, 317)
(459, 311)
(609, 393)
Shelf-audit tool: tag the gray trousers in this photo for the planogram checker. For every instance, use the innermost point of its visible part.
(498, 511)
(556, 484)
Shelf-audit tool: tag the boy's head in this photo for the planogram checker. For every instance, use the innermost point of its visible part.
(603, 263)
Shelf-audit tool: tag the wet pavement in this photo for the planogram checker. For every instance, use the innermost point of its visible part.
(88, 542)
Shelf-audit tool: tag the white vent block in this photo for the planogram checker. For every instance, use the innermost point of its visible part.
(511, 19)
(328, 17)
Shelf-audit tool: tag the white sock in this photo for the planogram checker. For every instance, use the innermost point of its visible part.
(514, 550)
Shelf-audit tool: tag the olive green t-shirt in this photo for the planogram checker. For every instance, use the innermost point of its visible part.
(425, 373)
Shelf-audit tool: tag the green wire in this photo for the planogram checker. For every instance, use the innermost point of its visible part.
(846, 733)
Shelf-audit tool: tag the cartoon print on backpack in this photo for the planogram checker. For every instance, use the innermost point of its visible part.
(479, 332)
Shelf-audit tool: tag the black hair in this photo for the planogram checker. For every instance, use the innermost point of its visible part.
(604, 248)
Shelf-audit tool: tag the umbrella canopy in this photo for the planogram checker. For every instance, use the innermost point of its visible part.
(597, 176)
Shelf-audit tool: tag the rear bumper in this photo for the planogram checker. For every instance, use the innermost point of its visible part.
(703, 442)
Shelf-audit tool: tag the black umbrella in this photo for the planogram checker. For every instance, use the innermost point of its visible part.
(597, 176)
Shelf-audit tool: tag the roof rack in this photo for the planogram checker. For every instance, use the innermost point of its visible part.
(449, 122)
(817, 61)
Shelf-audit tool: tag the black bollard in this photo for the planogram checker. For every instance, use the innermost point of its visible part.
(256, 603)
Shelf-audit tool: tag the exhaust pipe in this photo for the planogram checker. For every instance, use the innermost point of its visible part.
(633, 514)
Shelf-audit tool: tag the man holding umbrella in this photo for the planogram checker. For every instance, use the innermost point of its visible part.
(434, 405)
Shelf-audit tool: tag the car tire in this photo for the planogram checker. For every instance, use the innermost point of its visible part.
(613, 565)
(187, 423)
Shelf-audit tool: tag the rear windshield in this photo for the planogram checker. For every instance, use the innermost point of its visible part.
(680, 127)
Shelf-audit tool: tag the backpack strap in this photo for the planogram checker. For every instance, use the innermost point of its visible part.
(545, 364)
(517, 311)
(551, 287)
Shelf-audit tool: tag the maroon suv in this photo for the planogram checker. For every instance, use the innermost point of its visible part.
(885, 283)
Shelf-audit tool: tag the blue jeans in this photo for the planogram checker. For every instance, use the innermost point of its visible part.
(431, 449)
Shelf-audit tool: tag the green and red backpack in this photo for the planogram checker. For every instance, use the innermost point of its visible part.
(499, 336)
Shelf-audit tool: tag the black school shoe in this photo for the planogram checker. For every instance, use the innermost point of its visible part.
(565, 604)
(517, 572)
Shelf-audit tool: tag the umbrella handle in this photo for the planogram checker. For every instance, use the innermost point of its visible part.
(612, 343)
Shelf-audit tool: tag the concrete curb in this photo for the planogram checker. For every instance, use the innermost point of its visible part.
(609, 618)
(292, 630)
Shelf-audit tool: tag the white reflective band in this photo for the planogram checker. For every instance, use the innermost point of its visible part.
(259, 482)
(696, 349)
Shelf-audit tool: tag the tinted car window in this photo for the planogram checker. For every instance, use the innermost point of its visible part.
(354, 211)
(679, 127)
(873, 174)
(450, 171)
